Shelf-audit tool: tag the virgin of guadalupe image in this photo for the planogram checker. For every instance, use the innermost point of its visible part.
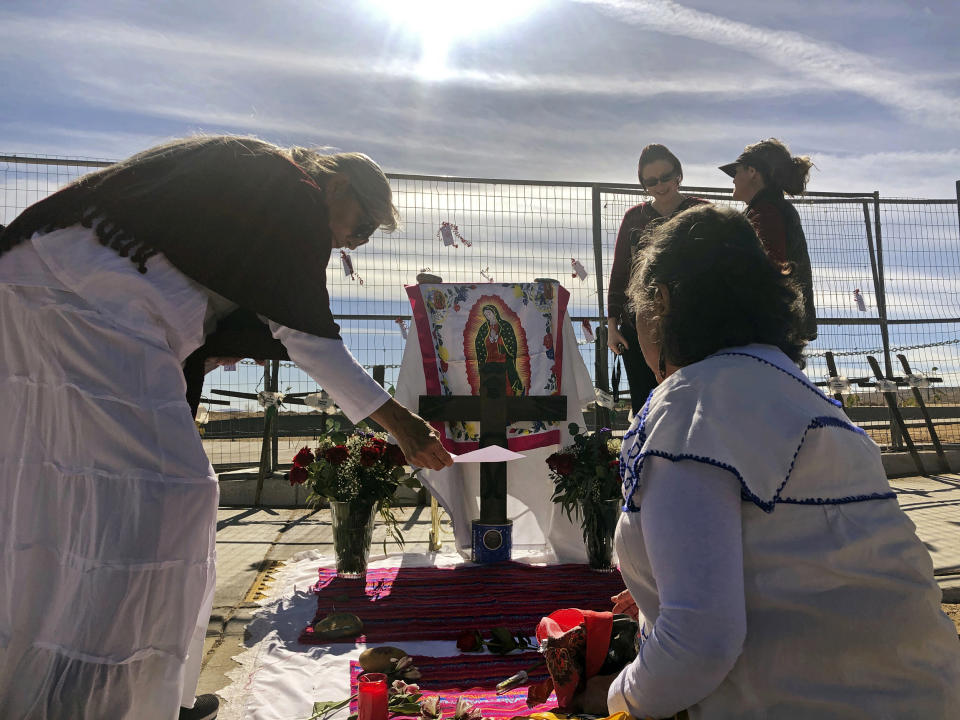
(496, 347)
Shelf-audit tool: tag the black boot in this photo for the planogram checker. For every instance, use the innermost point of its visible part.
(205, 708)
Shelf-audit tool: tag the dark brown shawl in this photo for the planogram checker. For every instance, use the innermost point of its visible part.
(233, 214)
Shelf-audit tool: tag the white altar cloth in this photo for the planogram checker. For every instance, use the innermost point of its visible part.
(538, 523)
(278, 678)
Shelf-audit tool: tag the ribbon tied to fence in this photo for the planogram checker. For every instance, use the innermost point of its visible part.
(839, 384)
(269, 399)
(885, 386)
(320, 401)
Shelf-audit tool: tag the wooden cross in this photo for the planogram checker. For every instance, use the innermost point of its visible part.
(495, 411)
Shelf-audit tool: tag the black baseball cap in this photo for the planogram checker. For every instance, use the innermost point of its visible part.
(752, 156)
(730, 168)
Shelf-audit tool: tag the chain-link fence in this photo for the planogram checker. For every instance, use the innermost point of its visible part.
(886, 276)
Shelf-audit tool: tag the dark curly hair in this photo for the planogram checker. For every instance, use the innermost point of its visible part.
(724, 289)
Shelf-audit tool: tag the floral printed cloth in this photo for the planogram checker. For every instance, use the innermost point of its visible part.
(514, 328)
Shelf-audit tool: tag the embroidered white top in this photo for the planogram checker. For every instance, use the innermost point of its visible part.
(107, 500)
(176, 310)
(809, 595)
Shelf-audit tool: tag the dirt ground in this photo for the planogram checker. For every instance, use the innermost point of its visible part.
(953, 612)
(947, 434)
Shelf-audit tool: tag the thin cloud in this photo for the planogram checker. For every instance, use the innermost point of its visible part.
(176, 83)
(283, 61)
(917, 174)
(824, 63)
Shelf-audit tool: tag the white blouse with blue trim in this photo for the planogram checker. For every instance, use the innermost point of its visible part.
(842, 615)
(715, 411)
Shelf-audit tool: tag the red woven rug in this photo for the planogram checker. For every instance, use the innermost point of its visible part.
(437, 603)
(474, 677)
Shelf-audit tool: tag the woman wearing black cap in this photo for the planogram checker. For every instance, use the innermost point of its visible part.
(761, 175)
(660, 174)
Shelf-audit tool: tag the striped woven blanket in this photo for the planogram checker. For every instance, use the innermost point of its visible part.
(438, 603)
(473, 677)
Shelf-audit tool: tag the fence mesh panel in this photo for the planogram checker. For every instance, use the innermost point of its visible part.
(514, 231)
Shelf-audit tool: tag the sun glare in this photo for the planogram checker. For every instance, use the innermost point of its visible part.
(439, 23)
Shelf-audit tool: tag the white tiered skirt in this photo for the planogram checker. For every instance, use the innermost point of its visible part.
(107, 517)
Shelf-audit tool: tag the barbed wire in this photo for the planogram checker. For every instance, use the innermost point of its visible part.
(879, 351)
(286, 364)
(837, 353)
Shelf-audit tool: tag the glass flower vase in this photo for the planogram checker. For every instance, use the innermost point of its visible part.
(352, 523)
(599, 524)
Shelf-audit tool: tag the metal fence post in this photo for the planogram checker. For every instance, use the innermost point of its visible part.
(602, 414)
(884, 329)
(895, 435)
(266, 465)
(958, 204)
(895, 440)
(275, 425)
(877, 290)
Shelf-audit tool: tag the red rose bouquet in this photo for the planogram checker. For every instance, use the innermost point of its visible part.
(361, 468)
(586, 478)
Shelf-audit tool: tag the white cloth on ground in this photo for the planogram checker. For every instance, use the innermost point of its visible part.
(538, 523)
(278, 678)
(843, 614)
(107, 499)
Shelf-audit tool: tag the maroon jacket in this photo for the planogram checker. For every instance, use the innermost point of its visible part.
(640, 218)
(778, 226)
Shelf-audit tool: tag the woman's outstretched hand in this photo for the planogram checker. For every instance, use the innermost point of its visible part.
(416, 438)
(624, 604)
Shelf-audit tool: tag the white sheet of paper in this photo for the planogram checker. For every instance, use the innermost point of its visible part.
(491, 453)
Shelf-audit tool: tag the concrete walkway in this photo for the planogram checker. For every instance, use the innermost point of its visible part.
(933, 503)
(251, 542)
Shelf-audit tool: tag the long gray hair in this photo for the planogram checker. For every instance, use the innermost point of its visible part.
(131, 202)
(365, 176)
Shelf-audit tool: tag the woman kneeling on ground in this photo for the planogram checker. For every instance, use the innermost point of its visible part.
(774, 572)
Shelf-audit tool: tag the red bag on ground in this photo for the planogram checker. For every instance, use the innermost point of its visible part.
(574, 645)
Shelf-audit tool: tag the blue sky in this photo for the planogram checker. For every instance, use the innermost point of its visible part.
(542, 90)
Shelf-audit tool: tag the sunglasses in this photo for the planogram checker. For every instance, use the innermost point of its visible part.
(364, 230)
(366, 227)
(651, 182)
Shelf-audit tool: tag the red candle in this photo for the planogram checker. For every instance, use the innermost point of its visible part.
(372, 697)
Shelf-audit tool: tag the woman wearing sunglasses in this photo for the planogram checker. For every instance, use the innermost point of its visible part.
(113, 292)
(660, 174)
